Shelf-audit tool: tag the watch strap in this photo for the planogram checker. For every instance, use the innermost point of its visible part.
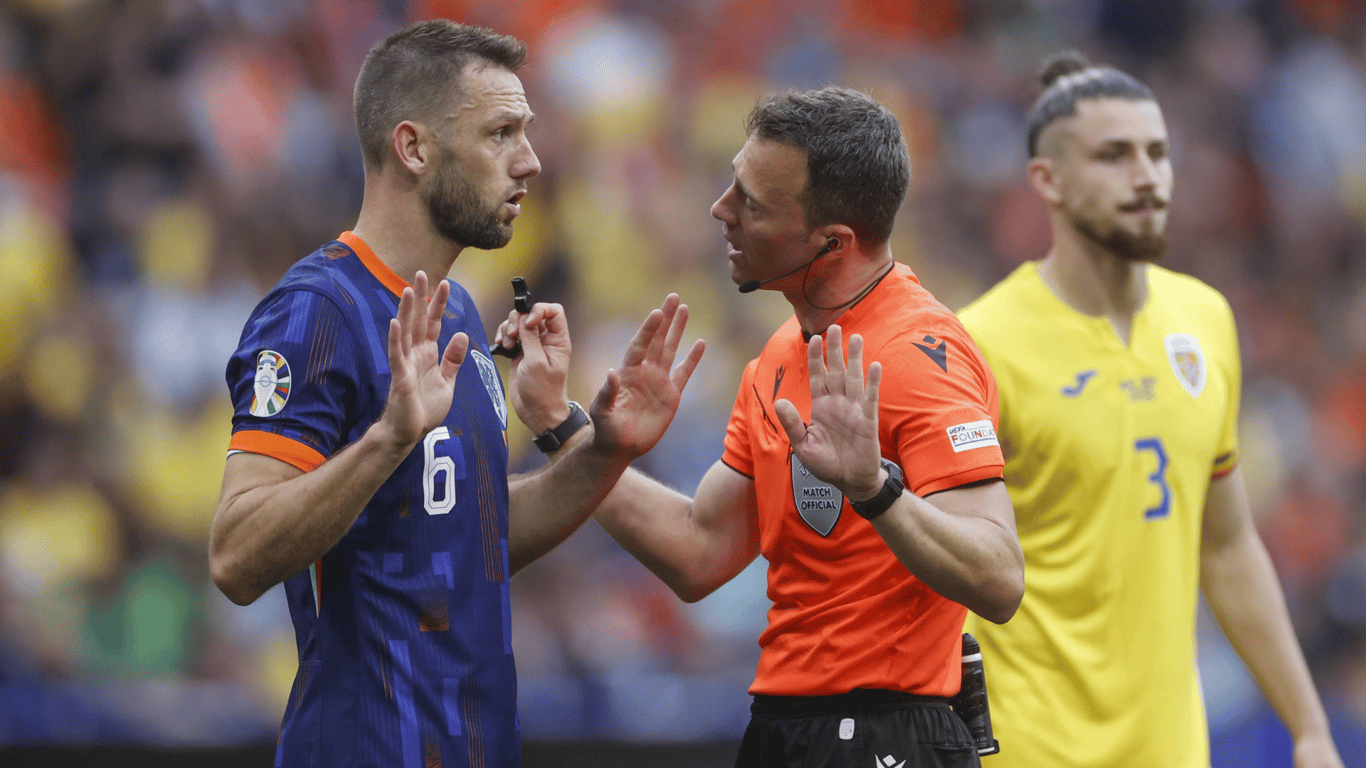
(550, 440)
(883, 501)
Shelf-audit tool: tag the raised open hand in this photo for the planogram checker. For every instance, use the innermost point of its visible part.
(840, 445)
(536, 379)
(636, 404)
(422, 376)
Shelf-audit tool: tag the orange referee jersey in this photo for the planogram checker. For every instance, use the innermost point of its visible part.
(846, 613)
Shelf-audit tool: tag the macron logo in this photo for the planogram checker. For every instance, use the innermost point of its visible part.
(974, 434)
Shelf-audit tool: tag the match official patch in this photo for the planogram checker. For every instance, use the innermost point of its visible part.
(974, 434)
(818, 502)
(271, 389)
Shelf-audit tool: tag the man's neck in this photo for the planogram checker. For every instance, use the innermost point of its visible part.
(1094, 280)
(401, 235)
(830, 292)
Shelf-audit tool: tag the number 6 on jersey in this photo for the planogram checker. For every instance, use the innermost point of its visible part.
(439, 498)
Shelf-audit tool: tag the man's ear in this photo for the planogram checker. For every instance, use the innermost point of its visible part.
(1043, 178)
(838, 238)
(409, 146)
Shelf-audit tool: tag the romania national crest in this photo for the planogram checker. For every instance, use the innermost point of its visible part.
(1188, 362)
(272, 384)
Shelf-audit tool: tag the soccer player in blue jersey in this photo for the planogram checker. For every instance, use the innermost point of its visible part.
(368, 466)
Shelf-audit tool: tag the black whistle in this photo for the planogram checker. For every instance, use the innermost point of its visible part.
(521, 301)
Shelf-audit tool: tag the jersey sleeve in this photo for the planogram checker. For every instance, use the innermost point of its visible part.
(738, 453)
(1226, 456)
(939, 408)
(293, 380)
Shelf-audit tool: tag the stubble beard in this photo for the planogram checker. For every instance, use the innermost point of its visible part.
(459, 215)
(1149, 246)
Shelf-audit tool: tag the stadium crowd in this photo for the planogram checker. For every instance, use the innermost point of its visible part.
(162, 162)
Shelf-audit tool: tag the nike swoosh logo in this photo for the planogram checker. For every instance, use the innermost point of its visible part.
(1082, 379)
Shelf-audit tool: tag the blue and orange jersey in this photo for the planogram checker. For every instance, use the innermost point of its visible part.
(404, 627)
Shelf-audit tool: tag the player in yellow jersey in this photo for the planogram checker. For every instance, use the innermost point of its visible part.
(1119, 386)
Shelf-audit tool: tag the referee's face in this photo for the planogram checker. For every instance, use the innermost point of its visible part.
(762, 217)
(1113, 175)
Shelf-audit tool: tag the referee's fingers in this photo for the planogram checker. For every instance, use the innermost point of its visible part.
(791, 421)
(853, 377)
(834, 360)
(815, 366)
(870, 392)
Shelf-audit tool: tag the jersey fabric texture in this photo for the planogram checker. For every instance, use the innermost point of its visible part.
(404, 627)
(855, 729)
(1109, 454)
(846, 613)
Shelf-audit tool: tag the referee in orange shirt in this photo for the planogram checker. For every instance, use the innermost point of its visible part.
(883, 519)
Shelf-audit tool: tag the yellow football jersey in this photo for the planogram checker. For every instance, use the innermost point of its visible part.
(1109, 454)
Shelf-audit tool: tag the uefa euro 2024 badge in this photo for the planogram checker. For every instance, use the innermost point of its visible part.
(272, 384)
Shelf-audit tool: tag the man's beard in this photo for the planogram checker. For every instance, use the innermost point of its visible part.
(1142, 246)
(459, 215)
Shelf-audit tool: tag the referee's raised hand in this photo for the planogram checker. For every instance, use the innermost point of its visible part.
(840, 444)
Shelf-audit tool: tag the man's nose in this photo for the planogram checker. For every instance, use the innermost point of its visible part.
(723, 209)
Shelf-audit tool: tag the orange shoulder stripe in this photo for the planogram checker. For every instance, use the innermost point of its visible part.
(377, 268)
(286, 449)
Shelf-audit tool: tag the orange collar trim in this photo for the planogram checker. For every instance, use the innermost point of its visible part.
(377, 268)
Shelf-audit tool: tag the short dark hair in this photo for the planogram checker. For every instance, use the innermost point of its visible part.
(414, 73)
(1069, 77)
(857, 165)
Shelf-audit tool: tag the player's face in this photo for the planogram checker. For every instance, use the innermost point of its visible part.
(761, 212)
(481, 172)
(1114, 175)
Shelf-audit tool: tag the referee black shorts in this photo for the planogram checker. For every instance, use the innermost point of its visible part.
(860, 729)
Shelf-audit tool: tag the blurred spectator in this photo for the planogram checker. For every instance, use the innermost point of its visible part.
(162, 162)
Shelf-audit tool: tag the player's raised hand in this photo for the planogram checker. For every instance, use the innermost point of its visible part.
(840, 445)
(422, 376)
(537, 377)
(636, 404)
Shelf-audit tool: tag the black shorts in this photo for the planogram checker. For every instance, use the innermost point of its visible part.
(860, 729)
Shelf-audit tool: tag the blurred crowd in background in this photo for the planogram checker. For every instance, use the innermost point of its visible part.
(162, 162)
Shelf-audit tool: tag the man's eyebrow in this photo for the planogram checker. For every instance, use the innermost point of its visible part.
(509, 116)
(1117, 144)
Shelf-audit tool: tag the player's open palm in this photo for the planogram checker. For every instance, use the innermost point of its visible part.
(423, 375)
(636, 404)
(840, 445)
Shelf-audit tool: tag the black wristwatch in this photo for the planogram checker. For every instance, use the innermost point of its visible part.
(550, 440)
(883, 501)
